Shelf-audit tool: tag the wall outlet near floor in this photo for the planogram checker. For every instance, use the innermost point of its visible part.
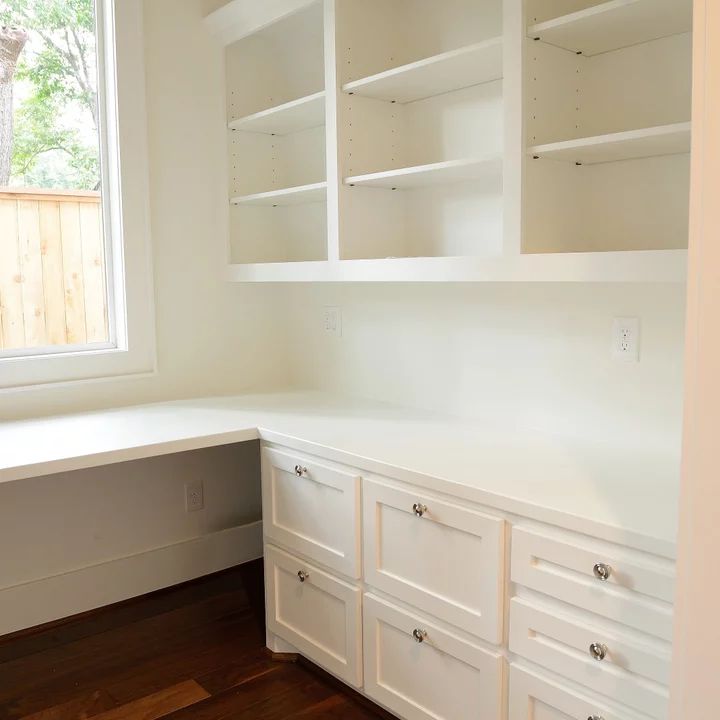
(626, 339)
(332, 321)
(194, 496)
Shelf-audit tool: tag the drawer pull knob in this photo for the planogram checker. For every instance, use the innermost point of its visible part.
(602, 571)
(300, 470)
(419, 635)
(303, 576)
(594, 717)
(419, 509)
(598, 651)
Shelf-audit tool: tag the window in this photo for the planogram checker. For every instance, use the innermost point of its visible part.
(74, 279)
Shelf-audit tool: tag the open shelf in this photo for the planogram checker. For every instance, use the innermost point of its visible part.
(301, 195)
(454, 70)
(647, 142)
(651, 266)
(615, 24)
(442, 173)
(295, 116)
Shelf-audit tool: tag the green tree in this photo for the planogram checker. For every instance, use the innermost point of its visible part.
(61, 73)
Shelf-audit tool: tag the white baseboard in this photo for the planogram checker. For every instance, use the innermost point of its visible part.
(40, 601)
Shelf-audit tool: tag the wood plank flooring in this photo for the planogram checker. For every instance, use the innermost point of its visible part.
(190, 653)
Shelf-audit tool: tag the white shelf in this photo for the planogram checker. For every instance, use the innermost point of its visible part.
(240, 18)
(612, 25)
(636, 266)
(301, 195)
(442, 173)
(454, 70)
(291, 117)
(634, 144)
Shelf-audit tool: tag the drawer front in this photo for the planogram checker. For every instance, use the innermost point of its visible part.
(638, 591)
(320, 616)
(533, 697)
(441, 678)
(448, 561)
(312, 508)
(631, 671)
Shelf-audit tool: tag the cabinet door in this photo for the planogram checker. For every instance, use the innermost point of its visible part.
(424, 672)
(315, 612)
(533, 697)
(618, 663)
(312, 508)
(440, 557)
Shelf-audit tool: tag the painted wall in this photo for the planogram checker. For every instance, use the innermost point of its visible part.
(74, 541)
(540, 353)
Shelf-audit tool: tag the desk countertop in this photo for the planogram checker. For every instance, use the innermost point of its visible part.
(621, 495)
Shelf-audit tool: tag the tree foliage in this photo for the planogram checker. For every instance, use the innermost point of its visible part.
(56, 124)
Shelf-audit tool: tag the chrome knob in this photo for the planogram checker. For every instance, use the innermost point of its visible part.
(303, 576)
(602, 571)
(598, 651)
(300, 470)
(419, 635)
(419, 509)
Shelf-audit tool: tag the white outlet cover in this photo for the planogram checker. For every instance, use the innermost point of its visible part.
(194, 496)
(332, 321)
(626, 339)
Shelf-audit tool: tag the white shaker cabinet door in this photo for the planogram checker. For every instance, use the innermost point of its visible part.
(438, 556)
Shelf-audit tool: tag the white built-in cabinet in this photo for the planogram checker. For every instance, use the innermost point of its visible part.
(439, 609)
(501, 140)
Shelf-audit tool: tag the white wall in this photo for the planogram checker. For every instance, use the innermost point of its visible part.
(696, 649)
(540, 353)
(74, 541)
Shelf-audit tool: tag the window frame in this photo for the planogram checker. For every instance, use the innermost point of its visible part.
(130, 350)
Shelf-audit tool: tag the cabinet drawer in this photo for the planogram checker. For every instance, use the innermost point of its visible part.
(312, 508)
(631, 670)
(320, 615)
(638, 591)
(533, 697)
(444, 559)
(443, 677)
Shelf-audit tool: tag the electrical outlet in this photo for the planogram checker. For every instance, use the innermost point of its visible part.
(194, 496)
(626, 339)
(332, 321)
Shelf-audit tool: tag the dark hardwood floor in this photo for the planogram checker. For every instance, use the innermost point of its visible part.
(191, 653)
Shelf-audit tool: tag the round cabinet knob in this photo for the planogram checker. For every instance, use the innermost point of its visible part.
(419, 635)
(303, 576)
(602, 571)
(300, 470)
(598, 651)
(419, 509)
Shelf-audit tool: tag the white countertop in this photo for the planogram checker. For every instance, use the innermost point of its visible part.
(620, 495)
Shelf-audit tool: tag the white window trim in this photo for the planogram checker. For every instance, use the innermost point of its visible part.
(121, 93)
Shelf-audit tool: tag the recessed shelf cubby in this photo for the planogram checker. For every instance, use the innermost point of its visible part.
(608, 88)
(506, 140)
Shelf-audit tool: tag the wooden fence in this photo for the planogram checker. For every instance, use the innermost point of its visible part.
(52, 269)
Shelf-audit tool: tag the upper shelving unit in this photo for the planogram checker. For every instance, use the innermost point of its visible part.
(630, 145)
(390, 140)
(616, 24)
(294, 116)
(453, 70)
